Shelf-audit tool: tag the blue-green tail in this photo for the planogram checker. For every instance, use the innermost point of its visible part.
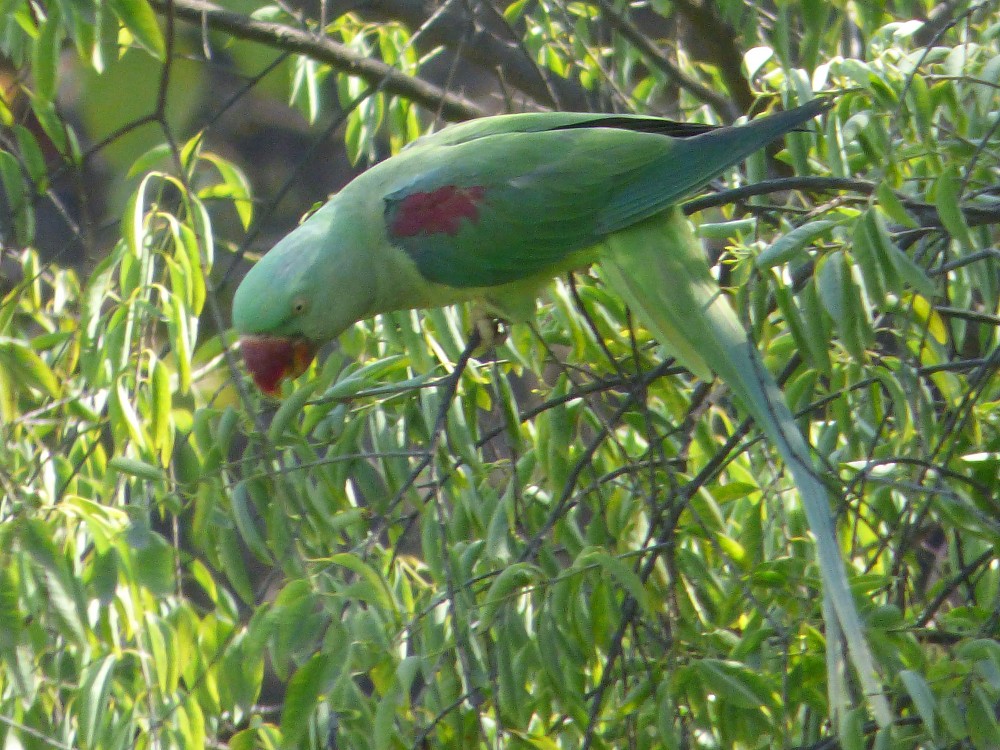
(691, 162)
(658, 267)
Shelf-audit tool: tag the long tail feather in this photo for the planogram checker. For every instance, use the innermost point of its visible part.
(692, 162)
(658, 267)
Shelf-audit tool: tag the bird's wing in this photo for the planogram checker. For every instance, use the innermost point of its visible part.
(534, 122)
(509, 206)
(505, 199)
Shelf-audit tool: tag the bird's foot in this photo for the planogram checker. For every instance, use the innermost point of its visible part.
(492, 332)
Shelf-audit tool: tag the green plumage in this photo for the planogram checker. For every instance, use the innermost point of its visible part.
(490, 210)
(554, 184)
(693, 320)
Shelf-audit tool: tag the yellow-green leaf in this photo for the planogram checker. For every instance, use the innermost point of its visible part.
(26, 369)
(138, 17)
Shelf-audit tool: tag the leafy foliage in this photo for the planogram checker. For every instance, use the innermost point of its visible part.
(566, 543)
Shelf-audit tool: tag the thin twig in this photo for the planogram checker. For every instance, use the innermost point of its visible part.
(319, 48)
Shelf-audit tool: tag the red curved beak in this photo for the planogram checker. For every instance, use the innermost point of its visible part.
(271, 359)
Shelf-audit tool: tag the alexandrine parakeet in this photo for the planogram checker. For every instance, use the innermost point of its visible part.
(490, 210)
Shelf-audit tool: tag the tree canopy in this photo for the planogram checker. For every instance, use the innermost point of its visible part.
(567, 542)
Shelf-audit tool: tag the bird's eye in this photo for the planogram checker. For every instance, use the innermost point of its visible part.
(298, 306)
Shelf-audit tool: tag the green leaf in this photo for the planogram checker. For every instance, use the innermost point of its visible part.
(754, 59)
(922, 697)
(32, 157)
(814, 347)
(244, 512)
(911, 274)
(45, 54)
(136, 468)
(155, 564)
(791, 244)
(877, 269)
(63, 592)
(895, 262)
(538, 741)
(889, 202)
(383, 596)
(289, 410)
(160, 415)
(138, 17)
(13, 181)
(11, 616)
(843, 302)
(513, 12)
(95, 685)
(851, 731)
(626, 577)
(232, 564)
(501, 591)
(948, 203)
(301, 698)
(983, 726)
(59, 131)
(180, 336)
(156, 156)
(930, 318)
(734, 683)
(27, 369)
(237, 188)
(384, 726)
(305, 95)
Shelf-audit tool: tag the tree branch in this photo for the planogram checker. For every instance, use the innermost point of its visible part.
(319, 48)
(480, 39)
(925, 213)
(719, 42)
(723, 106)
(814, 184)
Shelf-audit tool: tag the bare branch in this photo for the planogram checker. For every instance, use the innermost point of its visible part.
(290, 39)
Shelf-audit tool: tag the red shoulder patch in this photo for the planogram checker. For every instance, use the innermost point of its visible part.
(437, 211)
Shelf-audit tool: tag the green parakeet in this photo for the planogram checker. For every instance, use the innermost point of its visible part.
(488, 210)
(491, 210)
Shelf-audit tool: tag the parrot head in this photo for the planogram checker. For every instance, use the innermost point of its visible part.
(304, 292)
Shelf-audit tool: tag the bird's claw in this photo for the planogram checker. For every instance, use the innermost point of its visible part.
(492, 332)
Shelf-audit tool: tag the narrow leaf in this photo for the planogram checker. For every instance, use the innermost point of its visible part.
(301, 698)
(948, 203)
(626, 577)
(138, 17)
(791, 244)
(136, 468)
(512, 578)
(95, 684)
(922, 697)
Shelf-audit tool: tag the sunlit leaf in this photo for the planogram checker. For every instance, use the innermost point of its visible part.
(95, 684)
(26, 369)
(138, 17)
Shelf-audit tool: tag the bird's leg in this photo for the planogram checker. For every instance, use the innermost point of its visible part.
(504, 305)
(492, 330)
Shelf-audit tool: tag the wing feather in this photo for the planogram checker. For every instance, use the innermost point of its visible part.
(540, 190)
(540, 196)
